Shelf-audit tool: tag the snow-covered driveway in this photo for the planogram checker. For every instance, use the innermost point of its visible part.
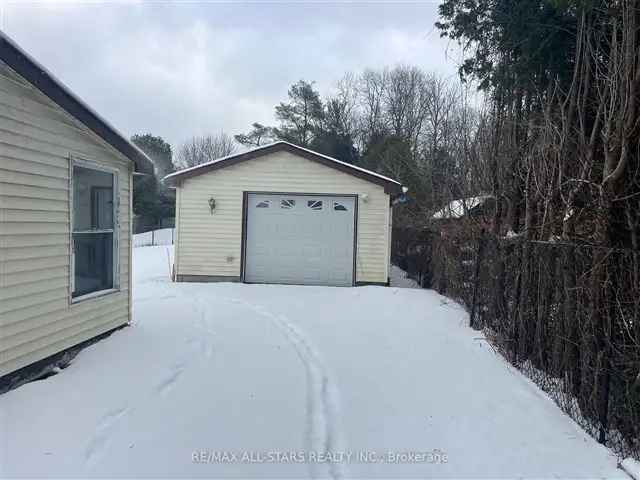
(388, 380)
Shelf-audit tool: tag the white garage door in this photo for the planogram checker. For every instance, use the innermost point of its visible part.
(299, 239)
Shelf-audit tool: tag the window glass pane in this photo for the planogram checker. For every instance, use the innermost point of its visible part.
(287, 203)
(263, 204)
(314, 204)
(92, 199)
(339, 207)
(93, 262)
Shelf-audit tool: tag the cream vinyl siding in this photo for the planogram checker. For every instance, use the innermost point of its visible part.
(211, 244)
(37, 140)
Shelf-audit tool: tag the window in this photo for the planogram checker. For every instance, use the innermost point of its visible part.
(287, 203)
(94, 259)
(315, 204)
(339, 207)
(264, 204)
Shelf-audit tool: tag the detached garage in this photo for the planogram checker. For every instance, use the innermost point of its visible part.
(283, 214)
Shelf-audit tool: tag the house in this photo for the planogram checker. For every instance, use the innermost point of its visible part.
(65, 213)
(283, 214)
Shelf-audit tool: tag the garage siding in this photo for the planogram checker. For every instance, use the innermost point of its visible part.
(211, 244)
(37, 139)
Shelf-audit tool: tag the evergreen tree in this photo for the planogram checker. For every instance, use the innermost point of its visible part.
(527, 42)
(259, 135)
(301, 118)
(306, 122)
(336, 145)
(151, 199)
(334, 135)
(158, 150)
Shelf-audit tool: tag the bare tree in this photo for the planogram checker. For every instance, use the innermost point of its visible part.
(341, 105)
(371, 87)
(198, 150)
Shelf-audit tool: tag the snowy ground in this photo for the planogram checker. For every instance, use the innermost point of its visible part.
(278, 371)
(399, 278)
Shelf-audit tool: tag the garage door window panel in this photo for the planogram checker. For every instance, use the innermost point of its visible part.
(287, 203)
(315, 205)
(340, 207)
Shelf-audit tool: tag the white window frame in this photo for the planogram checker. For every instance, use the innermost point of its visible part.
(78, 162)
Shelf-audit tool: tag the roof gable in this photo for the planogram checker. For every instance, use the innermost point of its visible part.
(38, 76)
(390, 186)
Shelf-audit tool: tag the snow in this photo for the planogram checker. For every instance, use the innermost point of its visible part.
(163, 236)
(302, 381)
(456, 208)
(632, 467)
(269, 145)
(399, 278)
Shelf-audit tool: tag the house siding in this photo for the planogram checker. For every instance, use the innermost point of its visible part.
(210, 245)
(37, 142)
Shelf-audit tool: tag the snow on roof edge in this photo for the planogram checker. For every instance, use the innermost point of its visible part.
(355, 167)
(217, 160)
(279, 142)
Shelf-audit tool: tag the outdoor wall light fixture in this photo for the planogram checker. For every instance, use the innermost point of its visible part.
(365, 197)
(212, 205)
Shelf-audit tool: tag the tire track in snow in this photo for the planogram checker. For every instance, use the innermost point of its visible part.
(196, 346)
(168, 382)
(102, 435)
(323, 432)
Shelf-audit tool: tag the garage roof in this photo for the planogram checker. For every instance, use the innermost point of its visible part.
(29, 69)
(391, 186)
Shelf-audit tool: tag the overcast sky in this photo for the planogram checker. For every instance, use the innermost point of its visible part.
(178, 69)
